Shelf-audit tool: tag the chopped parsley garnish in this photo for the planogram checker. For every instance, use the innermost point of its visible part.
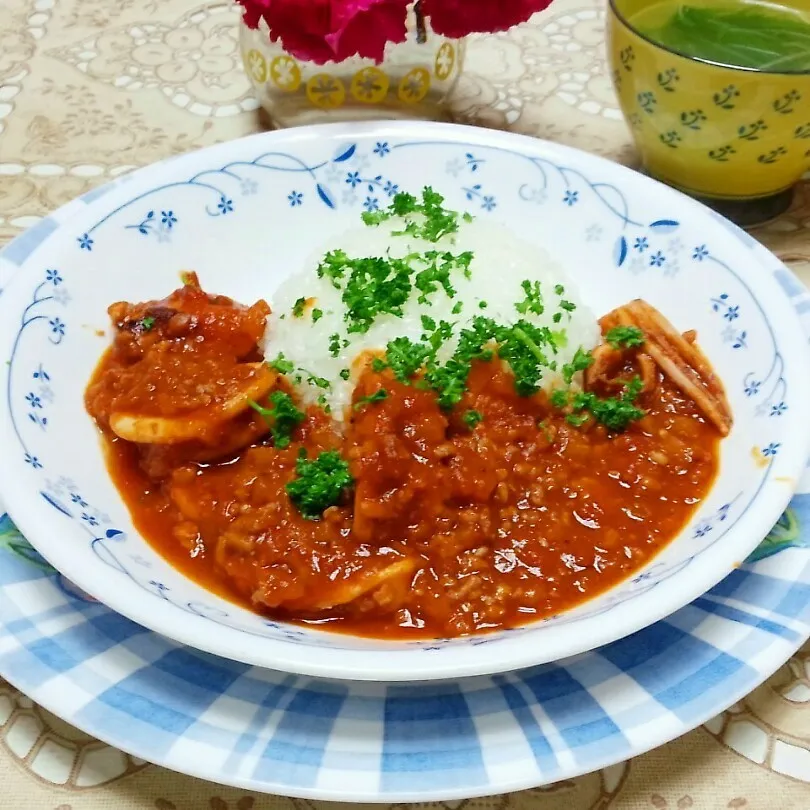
(559, 289)
(334, 266)
(375, 286)
(147, 323)
(581, 361)
(456, 308)
(472, 418)
(320, 382)
(560, 337)
(577, 419)
(615, 413)
(437, 272)
(449, 381)
(378, 396)
(401, 205)
(281, 364)
(404, 357)
(523, 348)
(560, 398)
(533, 302)
(334, 344)
(437, 220)
(543, 427)
(381, 285)
(317, 314)
(428, 324)
(345, 374)
(565, 306)
(298, 308)
(282, 416)
(444, 331)
(319, 483)
(625, 337)
(482, 305)
(633, 388)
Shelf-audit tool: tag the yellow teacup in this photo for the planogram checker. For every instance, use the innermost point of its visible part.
(718, 132)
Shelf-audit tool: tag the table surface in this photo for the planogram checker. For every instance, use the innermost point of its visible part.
(90, 89)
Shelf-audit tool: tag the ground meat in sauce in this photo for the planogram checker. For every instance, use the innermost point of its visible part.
(449, 529)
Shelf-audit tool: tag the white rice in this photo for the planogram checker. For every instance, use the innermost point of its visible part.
(501, 261)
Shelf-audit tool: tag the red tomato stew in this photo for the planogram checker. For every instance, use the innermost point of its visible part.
(411, 519)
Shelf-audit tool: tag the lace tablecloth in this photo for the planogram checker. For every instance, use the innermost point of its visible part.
(90, 89)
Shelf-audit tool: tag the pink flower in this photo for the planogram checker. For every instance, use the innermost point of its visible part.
(330, 30)
(457, 18)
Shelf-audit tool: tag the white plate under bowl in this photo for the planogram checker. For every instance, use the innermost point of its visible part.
(245, 214)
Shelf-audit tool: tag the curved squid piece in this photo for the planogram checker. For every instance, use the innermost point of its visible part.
(196, 425)
(607, 361)
(678, 357)
(395, 578)
(159, 460)
(648, 372)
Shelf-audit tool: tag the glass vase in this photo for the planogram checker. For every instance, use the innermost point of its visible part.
(413, 81)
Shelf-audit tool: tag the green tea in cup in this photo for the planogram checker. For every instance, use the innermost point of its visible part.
(717, 97)
(772, 37)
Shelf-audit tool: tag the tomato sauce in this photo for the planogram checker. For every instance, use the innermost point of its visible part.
(448, 530)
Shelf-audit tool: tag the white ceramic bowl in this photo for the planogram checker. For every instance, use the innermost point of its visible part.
(243, 214)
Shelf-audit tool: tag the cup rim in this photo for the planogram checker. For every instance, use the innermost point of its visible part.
(741, 68)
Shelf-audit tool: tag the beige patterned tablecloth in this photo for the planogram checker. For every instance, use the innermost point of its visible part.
(90, 89)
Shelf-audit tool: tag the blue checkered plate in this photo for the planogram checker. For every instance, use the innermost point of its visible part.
(299, 736)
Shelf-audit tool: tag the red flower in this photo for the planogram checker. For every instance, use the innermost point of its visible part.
(330, 30)
(457, 18)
